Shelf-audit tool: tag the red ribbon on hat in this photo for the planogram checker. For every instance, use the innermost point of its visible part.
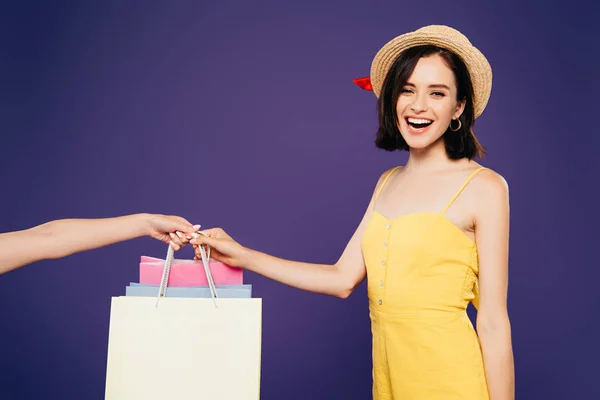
(364, 83)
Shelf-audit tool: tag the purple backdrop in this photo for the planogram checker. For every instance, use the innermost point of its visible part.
(245, 116)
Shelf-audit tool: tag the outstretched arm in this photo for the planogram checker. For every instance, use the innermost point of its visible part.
(61, 238)
(339, 279)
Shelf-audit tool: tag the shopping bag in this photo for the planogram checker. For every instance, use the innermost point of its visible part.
(188, 272)
(183, 348)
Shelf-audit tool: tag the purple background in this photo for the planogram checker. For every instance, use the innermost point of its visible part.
(243, 115)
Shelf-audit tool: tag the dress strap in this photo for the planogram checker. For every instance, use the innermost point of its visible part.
(384, 181)
(464, 185)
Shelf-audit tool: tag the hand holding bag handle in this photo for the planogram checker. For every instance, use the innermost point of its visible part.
(205, 261)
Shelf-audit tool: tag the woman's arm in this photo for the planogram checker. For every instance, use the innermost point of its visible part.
(493, 324)
(61, 238)
(338, 280)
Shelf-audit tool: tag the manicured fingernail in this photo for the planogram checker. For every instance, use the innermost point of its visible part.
(196, 227)
(179, 234)
(172, 235)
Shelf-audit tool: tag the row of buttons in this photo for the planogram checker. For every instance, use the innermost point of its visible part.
(383, 264)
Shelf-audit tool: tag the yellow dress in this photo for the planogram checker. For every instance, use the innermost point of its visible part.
(422, 273)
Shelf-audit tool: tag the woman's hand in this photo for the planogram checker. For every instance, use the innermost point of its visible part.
(173, 230)
(223, 247)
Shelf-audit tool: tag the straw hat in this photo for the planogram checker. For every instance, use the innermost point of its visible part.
(441, 36)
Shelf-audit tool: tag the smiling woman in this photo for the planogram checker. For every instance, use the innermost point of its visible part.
(428, 94)
(434, 236)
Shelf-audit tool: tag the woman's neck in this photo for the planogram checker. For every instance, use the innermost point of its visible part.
(432, 159)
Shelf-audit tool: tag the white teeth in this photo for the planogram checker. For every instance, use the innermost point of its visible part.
(419, 121)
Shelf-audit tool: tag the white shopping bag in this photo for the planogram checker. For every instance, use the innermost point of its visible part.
(184, 348)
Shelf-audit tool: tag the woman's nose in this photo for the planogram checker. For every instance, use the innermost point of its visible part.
(419, 105)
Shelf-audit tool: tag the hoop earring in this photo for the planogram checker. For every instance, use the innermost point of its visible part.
(459, 125)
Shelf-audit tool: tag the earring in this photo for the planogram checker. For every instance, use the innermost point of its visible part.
(459, 125)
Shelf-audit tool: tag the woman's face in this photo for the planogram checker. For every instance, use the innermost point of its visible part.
(427, 103)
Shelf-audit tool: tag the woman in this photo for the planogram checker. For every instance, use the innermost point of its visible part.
(60, 238)
(434, 236)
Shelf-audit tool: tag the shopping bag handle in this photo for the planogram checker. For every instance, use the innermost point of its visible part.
(205, 254)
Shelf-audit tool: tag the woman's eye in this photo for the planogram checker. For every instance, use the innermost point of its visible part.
(438, 94)
(406, 91)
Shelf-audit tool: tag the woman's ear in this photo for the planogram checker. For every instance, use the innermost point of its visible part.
(460, 107)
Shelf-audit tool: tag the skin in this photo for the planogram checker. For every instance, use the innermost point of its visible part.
(426, 183)
(61, 238)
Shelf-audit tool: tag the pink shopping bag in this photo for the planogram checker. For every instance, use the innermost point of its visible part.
(188, 272)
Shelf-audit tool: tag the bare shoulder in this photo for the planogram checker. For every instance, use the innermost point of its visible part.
(398, 168)
(490, 184)
(386, 174)
(382, 181)
(491, 190)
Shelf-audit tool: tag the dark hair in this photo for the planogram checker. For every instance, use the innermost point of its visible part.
(460, 144)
